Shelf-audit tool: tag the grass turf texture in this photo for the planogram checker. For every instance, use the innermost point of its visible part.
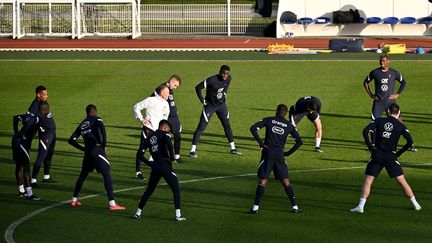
(216, 209)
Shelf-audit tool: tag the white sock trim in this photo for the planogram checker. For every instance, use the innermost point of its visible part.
(232, 145)
(255, 207)
(33, 180)
(176, 156)
(112, 203)
(193, 148)
(178, 213)
(46, 177)
(138, 212)
(21, 188)
(317, 142)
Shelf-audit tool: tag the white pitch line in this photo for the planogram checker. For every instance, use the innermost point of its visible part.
(10, 230)
(195, 60)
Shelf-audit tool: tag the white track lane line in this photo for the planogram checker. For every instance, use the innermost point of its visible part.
(10, 230)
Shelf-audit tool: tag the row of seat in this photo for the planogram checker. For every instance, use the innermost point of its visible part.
(369, 20)
(365, 29)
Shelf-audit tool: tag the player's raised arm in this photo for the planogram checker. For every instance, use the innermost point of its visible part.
(298, 143)
(198, 90)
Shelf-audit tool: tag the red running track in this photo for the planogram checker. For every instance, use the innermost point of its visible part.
(194, 43)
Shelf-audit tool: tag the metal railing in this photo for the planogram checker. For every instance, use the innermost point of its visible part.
(80, 18)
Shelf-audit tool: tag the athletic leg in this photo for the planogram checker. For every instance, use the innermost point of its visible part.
(259, 193)
(172, 181)
(206, 115)
(85, 170)
(408, 191)
(42, 154)
(289, 191)
(48, 158)
(151, 186)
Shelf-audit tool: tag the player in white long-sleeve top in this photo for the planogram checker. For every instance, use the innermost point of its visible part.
(157, 109)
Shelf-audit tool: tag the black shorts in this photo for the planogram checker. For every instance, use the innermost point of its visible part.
(96, 159)
(379, 160)
(175, 124)
(20, 151)
(379, 107)
(278, 165)
(295, 118)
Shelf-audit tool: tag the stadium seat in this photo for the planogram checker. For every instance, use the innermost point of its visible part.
(407, 20)
(425, 20)
(373, 20)
(390, 20)
(322, 20)
(305, 21)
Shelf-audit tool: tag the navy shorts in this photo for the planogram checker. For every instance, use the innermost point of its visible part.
(278, 165)
(380, 160)
(295, 118)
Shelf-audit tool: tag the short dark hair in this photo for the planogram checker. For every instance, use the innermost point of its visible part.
(160, 88)
(39, 89)
(43, 105)
(384, 56)
(163, 121)
(281, 110)
(394, 109)
(176, 77)
(90, 108)
(311, 105)
(224, 68)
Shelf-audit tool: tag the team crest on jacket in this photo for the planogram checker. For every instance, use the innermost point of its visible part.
(171, 97)
(388, 126)
(153, 140)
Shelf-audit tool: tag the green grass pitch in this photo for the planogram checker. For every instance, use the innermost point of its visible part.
(217, 187)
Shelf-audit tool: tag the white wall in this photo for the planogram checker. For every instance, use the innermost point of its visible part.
(367, 8)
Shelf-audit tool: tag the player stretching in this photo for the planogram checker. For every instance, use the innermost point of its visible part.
(388, 131)
(21, 143)
(161, 149)
(92, 130)
(216, 90)
(309, 106)
(272, 154)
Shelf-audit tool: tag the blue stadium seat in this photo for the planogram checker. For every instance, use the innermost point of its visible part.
(425, 20)
(408, 20)
(305, 21)
(322, 20)
(390, 20)
(373, 20)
